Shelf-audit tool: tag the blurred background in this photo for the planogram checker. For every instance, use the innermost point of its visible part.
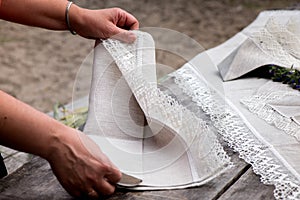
(40, 66)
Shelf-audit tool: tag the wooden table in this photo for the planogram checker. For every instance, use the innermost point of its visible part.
(35, 180)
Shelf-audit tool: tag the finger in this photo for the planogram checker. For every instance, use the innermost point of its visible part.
(135, 26)
(113, 176)
(104, 188)
(132, 22)
(128, 21)
(125, 36)
(92, 194)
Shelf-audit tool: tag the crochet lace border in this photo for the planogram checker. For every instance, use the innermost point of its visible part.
(238, 136)
(259, 105)
(160, 106)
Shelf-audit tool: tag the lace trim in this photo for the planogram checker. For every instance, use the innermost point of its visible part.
(232, 128)
(162, 107)
(278, 41)
(259, 105)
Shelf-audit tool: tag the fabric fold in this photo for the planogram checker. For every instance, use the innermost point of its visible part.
(277, 42)
(264, 132)
(171, 141)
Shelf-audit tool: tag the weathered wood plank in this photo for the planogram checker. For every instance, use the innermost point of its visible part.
(15, 161)
(249, 187)
(35, 180)
(6, 152)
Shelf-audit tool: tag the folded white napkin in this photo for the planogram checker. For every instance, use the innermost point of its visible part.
(270, 40)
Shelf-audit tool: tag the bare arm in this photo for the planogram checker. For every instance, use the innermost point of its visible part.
(50, 14)
(79, 170)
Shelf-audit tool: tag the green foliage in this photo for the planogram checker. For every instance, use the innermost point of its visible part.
(75, 119)
(287, 76)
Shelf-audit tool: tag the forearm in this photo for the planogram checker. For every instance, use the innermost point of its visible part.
(26, 129)
(48, 14)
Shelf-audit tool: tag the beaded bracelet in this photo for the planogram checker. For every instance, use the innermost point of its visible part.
(68, 19)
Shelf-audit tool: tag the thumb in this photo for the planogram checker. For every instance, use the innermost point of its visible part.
(124, 35)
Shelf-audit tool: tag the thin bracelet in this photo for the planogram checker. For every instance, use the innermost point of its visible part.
(68, 19)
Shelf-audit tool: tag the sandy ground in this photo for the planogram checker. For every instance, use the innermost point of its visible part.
(39, 66)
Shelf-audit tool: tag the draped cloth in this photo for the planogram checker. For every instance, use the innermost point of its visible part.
(167, 134)
(145, 131)
(261, 117)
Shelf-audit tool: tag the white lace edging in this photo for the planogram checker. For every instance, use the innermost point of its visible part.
(259, 105)
(279, 41)
(162, 107)
(239, 137)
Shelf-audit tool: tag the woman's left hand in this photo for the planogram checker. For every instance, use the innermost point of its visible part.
(103, 24)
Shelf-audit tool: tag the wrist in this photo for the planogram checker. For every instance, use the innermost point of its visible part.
(76, 20)
(59, 141)
(67, 17)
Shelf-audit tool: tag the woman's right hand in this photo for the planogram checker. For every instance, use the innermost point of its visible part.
(81, 167)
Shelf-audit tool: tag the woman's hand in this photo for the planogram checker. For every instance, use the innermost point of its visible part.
(103, 24)
(80, 166)
(76, 160)
(50, 14)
